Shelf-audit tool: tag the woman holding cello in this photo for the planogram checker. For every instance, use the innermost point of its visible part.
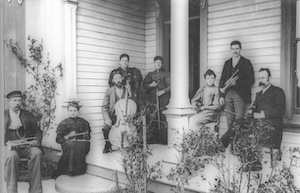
(119, 103)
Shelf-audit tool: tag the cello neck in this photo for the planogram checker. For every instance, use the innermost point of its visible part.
(126, 99)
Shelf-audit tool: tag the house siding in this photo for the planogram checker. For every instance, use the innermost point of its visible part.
(150, 35)
(256, 24)
(105, 30)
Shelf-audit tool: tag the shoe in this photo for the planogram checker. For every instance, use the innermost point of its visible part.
(107, 148)
(256, 166)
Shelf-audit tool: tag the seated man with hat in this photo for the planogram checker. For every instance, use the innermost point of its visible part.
(20, 126)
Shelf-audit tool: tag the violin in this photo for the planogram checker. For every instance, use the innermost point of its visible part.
(73, 135)
(124, 109)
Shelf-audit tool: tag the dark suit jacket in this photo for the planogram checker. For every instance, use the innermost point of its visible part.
(245, 81)
(133, 75)
(272, 102)
(30, 126)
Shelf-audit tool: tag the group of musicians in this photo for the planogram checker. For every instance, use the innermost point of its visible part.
(73, 133)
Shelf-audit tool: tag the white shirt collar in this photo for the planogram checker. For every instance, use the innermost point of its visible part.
(265, 89)
(14, 113)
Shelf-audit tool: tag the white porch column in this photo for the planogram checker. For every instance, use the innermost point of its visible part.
(70, 49)
(179, 108)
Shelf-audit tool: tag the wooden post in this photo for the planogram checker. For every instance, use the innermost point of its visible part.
(117, 180)
(145, 151)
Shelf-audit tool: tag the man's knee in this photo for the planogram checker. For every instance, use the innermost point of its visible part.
(35, 152)
(192, 119)
(12, 156)
(106, 130)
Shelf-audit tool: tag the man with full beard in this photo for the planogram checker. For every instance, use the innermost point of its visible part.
(270, 105)
(113, 94)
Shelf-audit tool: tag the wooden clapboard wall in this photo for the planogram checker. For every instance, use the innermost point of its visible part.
(150, 34)
(105, 30)
(256, 24)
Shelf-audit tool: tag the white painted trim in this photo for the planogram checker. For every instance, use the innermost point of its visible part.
(179, 56)
(2, 184)
(298, 44)
(70, 50)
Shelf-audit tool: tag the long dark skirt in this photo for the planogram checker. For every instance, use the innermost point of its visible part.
(72, 161)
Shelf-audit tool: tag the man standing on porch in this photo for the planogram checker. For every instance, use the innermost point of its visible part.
(132, 75)
(235, 86)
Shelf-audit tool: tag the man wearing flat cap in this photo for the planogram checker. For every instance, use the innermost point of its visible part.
(20, 124)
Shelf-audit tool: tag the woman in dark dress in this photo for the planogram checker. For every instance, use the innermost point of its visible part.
(157, 87)
(73, 134)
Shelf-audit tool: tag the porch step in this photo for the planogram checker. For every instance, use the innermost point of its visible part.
(85, 183)
(107, 165)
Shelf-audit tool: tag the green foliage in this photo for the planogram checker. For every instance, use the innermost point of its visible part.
(138, 172)
(40, 95)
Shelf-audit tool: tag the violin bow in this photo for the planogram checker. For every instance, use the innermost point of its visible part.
(157, 106)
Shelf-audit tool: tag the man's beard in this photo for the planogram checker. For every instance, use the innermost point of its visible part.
(261, 84)
(119, 84)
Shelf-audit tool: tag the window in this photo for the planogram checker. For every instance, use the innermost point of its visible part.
(297, 61)
(290, 69)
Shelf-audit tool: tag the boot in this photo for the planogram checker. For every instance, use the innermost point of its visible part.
(107, 148)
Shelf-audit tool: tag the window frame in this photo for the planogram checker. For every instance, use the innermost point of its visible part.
(288, 63)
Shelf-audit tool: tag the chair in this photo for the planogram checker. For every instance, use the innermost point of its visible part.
(23, 169)
(214, 126)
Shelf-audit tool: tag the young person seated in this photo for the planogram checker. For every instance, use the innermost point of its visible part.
(205, 102)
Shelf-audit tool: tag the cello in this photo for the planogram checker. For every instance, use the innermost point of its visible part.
(124, 109)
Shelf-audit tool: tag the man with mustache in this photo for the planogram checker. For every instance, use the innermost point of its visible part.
(112, 95)
(237, 92)
(19, 124)
(269, 104)
(131, 74)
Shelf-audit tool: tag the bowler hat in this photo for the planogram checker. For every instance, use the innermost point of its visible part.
(15, 93)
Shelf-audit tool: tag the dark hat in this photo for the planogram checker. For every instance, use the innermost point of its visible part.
(73, 103)
(15, 93)
(158, 58)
